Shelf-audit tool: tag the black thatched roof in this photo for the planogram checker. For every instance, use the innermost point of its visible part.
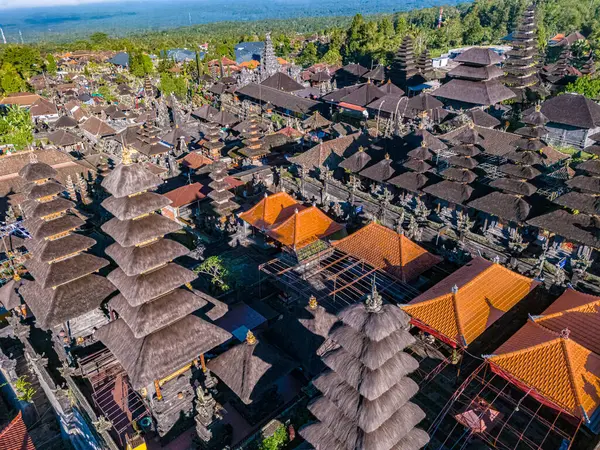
(9, 293)
(416, 165)
(136, 231)
(450, 191)
(45, 250)
(354, 69)
(249, 369)
(47, 189)
(52, 307)
(459, 175)
(163, 352)
(61, 272)
(139, 289)
(40, 229)
(571, 109)
(532, 145)
(137, 259)
(365, 401)
(515, 186)
(410, 181)
(585, 183)
(422, 153)
(128, 179)
(282, 82)
(279, 99)
(424, 102)
(65, 122)
(483, 93)
(477, 73)
(126, 208)
(364, 95)
(37, 172)
(591, 166)
(482, 119)
(579, 228)
(421, 137)
(505, 206)
(585, 203)
(526, 158)
(593, 149)
(466, 150)
(465, 162)
(36, 210)
(479, 56)
(164, 311)
(356, 162)
(376, 74)
(380, 171)
(62, 138)
(518, 171)
(390, 88)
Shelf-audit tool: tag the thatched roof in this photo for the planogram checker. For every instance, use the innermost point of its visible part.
(137, 259)
(40, 229)
(64, 271)
(9, 293)
(380, 172)
(47, 189)
(139, 289)
(37, 171)
(45, 250)
(591, 166)
(52, 307)
(450, 191)
(410, 181)
(163, 352)
(515, 186)
(581, 202)
(416, 165)
(356, 162)
(483, 93)
(134, 232)
(249, 369)
(36, 210)
(505, 206)
(459, 175)
(126, 208)
(128, 179)
(365, 400)
(585, 183)
(520, 172)
(159, 313)
(579, 228)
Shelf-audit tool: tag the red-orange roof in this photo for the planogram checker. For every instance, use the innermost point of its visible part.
(252, 64)
(290, 132)
(270, 210)
(385, 249)
(195, 160)
(304, 227)
(15, 436)
(483, 292)
(185, 195)
(551, 367)
(351, 106)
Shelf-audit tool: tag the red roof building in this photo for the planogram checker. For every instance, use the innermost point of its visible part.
(15, 436)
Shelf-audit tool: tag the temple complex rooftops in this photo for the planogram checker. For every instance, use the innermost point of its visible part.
(463, 305)
(270, 210)
(385, 249)
(571, 109)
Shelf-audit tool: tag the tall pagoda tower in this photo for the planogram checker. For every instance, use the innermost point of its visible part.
(155, 334)
(220, 195)
(425, 65)
(365, 393)
(269, 65)
(213, 145)
(404, 66)
(521, 65)
(67, 292)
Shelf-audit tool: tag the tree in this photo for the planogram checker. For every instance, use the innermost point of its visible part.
(332, 56)
(16, 128)
(140, 64)
(216, 270)
(586, 85)
(276, 441)
(309, 55)
(170, 83)
(98, 38)
(473, 32)
(10, 80)
(25, 59)
(50, 64)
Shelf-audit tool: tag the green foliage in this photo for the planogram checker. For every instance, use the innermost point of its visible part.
(98, 38)
(16, 128)
(276, 441)
(217, 271)
(309, 55)
(140, 64)
(25, 390)
(24, 58)
(10, 80)
(106, 92)
(171, 83)
(586, 85)
(51, 64)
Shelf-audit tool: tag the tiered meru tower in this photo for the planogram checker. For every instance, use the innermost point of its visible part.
(366, 391)
(269, 65)
(404, 66)
(521, 65)
(154, 335)
(67, 293)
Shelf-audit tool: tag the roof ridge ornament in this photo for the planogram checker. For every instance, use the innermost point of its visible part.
(564, 334)
(312, 302)
(33, 158)
(374, 301)
(250, 338)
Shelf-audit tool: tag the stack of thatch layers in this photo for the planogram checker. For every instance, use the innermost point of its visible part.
(67, 294)
(366, 392)
(156, 336)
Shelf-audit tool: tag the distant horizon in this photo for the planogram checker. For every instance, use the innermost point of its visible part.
(68, 19)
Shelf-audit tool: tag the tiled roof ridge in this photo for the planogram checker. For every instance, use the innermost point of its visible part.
(543, 317)
(571, 373)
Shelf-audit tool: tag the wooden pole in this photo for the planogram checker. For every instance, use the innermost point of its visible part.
(203, 363)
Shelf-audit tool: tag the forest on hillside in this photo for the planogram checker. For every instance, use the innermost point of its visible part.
(363, 39)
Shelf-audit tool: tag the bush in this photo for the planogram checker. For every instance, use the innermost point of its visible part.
(276, 441)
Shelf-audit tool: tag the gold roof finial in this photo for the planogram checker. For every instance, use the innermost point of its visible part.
(16, 276)
(538, 107)
(33, 159)
(250, 338)
(126, 156)
(312, 302)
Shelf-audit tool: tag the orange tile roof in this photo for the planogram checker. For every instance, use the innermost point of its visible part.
(557, 368)
(195, 160)
(577, 312)
(270, 210)
(282, 61)
(15, 436)
(252, 64)
(485, 292)
(185, 195)
(304, 227)
(385, 249)
(20, 98)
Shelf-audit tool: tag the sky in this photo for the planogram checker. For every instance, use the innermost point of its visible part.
(9, 4)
